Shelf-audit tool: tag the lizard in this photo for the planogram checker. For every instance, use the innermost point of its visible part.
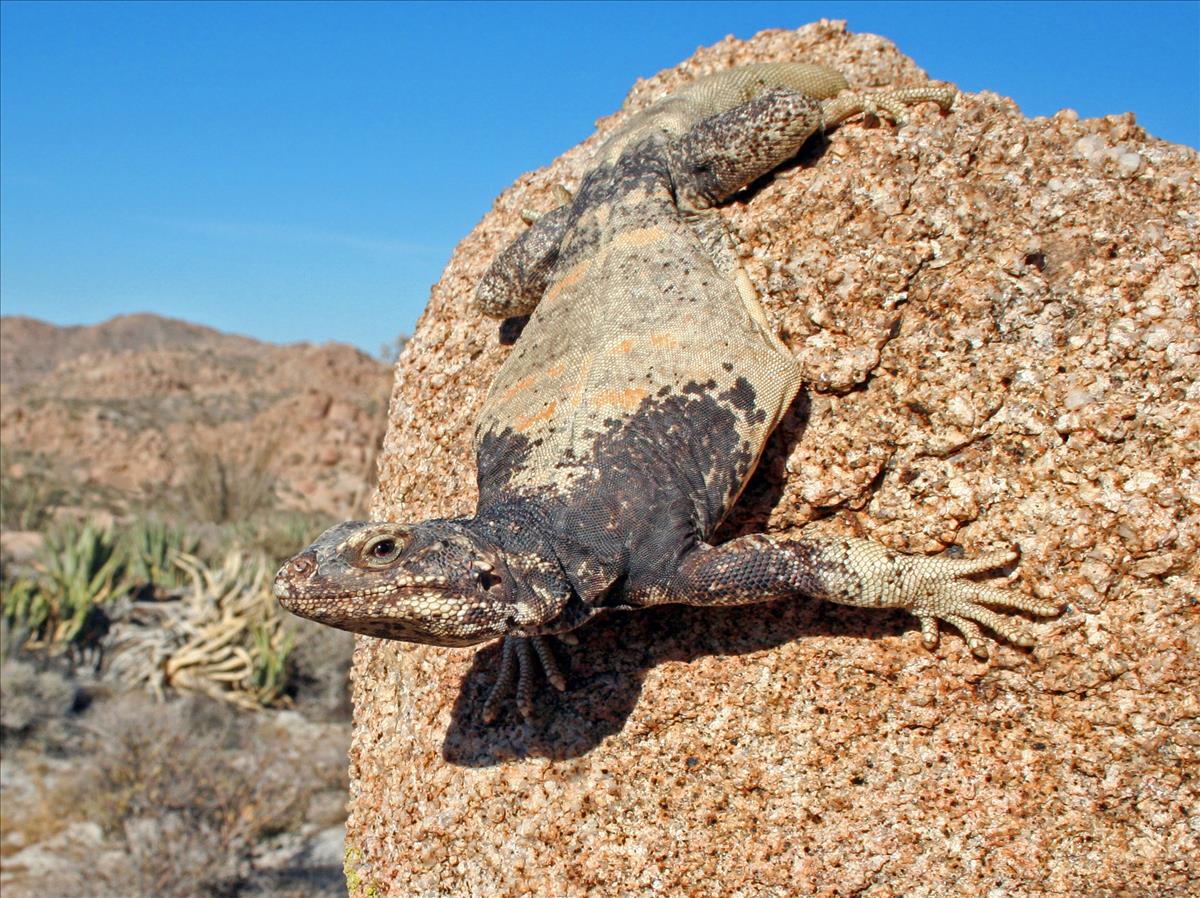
(630, 413)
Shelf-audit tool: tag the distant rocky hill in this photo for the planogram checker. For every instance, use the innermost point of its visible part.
(142, 410)
(30, 349)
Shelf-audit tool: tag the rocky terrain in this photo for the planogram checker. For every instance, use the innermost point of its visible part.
(141, 411)
(998, 321)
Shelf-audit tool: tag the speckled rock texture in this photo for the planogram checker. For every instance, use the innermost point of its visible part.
(998, 321)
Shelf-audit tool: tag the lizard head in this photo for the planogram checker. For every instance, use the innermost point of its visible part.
(435, 582)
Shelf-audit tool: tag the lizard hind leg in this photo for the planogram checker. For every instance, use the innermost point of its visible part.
(561, 193)
(723, 153)
(885, 104)
(733, 87)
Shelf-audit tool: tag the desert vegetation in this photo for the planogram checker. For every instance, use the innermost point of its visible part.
(167, 729)
(160, 711)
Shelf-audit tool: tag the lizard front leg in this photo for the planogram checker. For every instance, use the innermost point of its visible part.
(519, 655)
(855, 572)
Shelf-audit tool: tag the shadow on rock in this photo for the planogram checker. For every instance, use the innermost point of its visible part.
(606, 670)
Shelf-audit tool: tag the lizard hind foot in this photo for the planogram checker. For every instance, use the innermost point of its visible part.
(562, 195)
(889, 105)
(519, 656)
(947, 597)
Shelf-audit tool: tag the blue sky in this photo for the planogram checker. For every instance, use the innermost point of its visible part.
(302, 171)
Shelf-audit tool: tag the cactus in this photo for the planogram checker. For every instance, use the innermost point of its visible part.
(152, 547)
(78, 569)
(223, 635)
(208, 628)
(272, 645)
(83, 568)
(26, 607)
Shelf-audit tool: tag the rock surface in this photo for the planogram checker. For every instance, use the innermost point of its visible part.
(998, 320)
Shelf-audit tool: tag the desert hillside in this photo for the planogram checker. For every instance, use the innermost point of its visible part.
(149, 413)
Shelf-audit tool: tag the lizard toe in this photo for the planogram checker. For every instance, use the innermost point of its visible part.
(976, 641)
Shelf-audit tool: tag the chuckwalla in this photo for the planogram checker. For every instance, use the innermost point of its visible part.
(630, 413)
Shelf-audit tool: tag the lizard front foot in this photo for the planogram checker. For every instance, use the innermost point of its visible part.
(519, 656)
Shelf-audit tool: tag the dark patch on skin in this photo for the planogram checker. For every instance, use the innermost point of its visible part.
(655, 482)
(699, 389)
(498, 457)
(742, 397)
(642, 166)
(643, 169)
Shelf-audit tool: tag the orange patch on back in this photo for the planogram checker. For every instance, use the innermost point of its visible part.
(628, 399)
(525, 422)
(520, 386)
(639, 236)
(572, 277)
(664, 341)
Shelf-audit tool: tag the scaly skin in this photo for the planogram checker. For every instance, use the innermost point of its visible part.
(630, 414)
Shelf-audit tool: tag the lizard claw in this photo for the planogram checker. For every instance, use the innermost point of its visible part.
(517, 665)
(888, 105)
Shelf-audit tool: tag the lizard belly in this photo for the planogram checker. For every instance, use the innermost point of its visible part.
(677, 369)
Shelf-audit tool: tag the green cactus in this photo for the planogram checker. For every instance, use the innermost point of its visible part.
(26, 607)
(152, 547)
(271, 646)
(83, 568)
(77, 569)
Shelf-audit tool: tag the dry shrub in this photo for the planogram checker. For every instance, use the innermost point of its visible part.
(278, 534)
(172, 800)
(226, 483)
(319, 671)
(35, 701)
(184, 791)
(31, 487)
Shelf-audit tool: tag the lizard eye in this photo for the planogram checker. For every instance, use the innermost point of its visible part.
(383, 548)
